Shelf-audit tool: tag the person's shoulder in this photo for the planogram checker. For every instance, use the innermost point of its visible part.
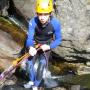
(55, 20)
(33, 20)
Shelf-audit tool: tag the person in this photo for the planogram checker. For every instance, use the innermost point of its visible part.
(45, 30)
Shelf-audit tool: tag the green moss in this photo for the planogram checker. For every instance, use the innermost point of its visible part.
(16, 32)
(83, 80)
(62, 68)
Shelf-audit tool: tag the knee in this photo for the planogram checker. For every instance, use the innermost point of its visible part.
(43, 62)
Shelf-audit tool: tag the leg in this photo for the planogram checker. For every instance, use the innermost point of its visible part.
(31, 75)
(40, 69)
(31, 71)
(30, 67)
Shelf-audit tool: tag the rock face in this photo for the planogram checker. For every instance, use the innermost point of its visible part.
(75, 19)
(74, 16)
(8, 49)
(26, 7)
(3, 7)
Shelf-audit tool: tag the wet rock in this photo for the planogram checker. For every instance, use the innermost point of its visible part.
(83, 70)
(25, 7)
(12, 87)
(75, 87)
(7, 50)
(59, 88)
(3, 7)
(16, 87)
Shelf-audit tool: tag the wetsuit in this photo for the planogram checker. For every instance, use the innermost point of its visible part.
(50, 34)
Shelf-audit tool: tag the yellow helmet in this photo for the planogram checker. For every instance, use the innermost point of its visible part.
(44, 6)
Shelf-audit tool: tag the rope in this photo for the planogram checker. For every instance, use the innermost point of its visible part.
(15, 64)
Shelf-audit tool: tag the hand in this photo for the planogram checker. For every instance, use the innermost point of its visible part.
(32, 51)
(45, 47)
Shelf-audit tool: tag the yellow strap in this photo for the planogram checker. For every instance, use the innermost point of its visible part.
(26, 55)
(19, 59)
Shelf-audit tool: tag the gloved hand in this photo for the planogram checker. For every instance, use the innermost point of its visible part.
(45, 47)
(32, 51)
